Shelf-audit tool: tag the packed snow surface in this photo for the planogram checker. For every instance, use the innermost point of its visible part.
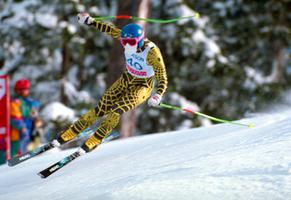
(223, 161)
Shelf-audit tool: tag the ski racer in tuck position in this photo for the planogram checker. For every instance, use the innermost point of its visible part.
(144, 63)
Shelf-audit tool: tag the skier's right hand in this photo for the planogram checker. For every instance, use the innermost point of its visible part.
(84, 18)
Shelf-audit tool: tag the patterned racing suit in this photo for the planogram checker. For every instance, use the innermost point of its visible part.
(132, 89)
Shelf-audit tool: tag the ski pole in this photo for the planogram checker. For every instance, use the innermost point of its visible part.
(163, 105)
(150, 20)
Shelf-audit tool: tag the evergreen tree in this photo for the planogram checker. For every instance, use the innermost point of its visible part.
(229, 62)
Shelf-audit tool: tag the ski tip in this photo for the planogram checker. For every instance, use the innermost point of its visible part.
(41, 175)
(10, 163)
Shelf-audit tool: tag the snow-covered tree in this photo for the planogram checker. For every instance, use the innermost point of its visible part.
(228, 62)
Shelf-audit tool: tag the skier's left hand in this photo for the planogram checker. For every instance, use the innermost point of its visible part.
(84, 18)
(155, 100)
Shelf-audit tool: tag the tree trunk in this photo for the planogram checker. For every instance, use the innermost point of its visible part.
(2, 62)
(278, 64)
(65, 68)
(117, 63)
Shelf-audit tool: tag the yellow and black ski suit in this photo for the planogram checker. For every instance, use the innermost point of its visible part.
(126, 93)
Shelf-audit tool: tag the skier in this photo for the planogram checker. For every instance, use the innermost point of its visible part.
(144, 64)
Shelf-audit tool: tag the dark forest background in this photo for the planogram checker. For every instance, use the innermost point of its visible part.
(232, 61)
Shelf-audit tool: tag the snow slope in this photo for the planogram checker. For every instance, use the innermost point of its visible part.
(224, 162)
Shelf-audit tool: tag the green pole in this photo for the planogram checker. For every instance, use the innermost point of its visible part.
(163, 105)
(150, 20)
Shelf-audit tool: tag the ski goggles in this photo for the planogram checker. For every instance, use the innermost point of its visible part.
(131, 41)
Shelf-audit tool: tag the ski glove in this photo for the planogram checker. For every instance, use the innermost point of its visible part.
(84, 18)
(155, 100)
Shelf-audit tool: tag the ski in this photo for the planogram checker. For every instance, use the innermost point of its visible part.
(39, 150)
(60, 164)
(19, 159)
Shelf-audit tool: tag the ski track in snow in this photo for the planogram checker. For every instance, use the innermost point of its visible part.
(219, 162)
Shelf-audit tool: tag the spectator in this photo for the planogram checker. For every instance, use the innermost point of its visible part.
(24, 118)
